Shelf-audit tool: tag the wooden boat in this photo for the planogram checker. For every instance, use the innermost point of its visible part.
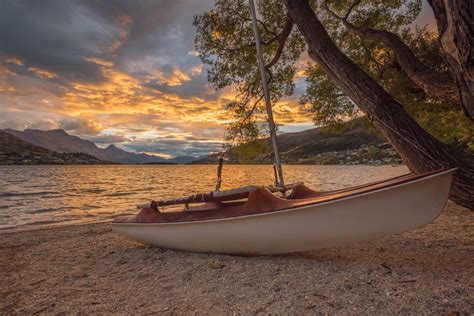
(264, 223)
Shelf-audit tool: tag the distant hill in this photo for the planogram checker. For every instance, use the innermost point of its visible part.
(315, 146)
(14, 151)
(182, 159)
(306, 144)
(59, 141)
(126, 157)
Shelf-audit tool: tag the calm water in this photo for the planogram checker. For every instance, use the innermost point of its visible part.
(34, 196)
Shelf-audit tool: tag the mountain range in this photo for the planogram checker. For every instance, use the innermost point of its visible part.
(14, 151)
(59, 141)
(352, 143)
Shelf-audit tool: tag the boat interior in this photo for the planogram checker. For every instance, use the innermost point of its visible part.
(256, 200)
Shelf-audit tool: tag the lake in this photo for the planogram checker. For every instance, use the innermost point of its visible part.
(38, 196)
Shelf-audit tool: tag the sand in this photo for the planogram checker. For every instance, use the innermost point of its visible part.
(89, 269)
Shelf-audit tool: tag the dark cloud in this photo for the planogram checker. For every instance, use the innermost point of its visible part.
(55, 35)
(22, 124)
(155, 34)
(196, 87)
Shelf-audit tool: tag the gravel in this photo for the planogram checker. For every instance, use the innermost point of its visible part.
(89, 269)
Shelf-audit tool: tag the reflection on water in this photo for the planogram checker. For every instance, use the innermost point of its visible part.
(41, 195)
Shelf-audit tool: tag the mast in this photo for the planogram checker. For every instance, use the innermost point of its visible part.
(266, 93)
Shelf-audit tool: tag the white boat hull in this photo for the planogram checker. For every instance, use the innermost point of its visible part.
(361, 217)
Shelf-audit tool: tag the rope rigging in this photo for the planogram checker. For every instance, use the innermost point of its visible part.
(372, 116)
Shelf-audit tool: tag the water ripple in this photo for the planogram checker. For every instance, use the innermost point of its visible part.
(12, 194)
(44, 195)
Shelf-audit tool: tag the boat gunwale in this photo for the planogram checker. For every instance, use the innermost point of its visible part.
(419, 178)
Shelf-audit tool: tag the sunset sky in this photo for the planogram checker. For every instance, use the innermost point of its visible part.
(122, 72)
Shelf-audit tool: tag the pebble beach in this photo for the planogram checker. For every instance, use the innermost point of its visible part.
(88, 269)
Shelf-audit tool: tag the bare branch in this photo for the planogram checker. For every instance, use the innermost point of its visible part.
(332, 12)
(434, 83)
(346, 16)
(258, 21)
(285, 33)
(389, 65)
(252, 110)
(356, 3)
(282, 37)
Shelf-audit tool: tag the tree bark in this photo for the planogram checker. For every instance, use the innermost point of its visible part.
(456, 31)
(434, 83)
(419, 150)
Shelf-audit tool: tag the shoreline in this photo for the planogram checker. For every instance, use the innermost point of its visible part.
(211, 164)
(57, 225)
(86, 268)
(76, 194)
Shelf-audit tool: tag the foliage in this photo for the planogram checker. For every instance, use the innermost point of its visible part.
(390, 15)
(225, 42)
(443, 120)
(246, 153)
(324, 100)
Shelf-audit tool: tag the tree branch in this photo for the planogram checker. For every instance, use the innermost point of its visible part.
(252, 110)
(434, 83)
(455, 29)
(356, 3)
(391, 64)
(258, 21)
(285, 33)
(282, 37)
(349, 11)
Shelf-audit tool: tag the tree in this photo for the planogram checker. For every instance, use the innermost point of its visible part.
(420, 151)
(225, 42)
(433, 82)
(456, 35)
(434, 111)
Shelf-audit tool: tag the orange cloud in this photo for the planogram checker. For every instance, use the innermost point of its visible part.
(99, 61)
(14, 60)
(123, 104)
(178, 78)
(124, 94)
(41, 73)
(175, 78)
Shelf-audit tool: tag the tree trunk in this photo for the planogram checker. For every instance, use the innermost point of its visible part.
(456, 31)
(419, 150)
(432, 82)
